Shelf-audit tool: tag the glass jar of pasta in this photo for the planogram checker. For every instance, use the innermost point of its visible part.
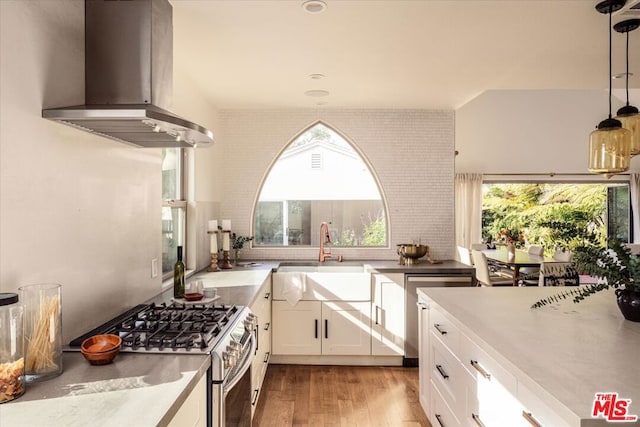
(42, 330)
(11, 348)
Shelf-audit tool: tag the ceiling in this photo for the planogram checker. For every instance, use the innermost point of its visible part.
(393, 54)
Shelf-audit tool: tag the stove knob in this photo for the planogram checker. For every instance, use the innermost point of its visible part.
(226, 360)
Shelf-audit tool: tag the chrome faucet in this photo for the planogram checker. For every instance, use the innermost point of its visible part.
(325, 238)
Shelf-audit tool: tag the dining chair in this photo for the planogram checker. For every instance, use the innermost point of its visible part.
(553, 274)
(483, 274)
(562, 255)
(478, 246)
(633, 247)
(465, 255)
(535, 250)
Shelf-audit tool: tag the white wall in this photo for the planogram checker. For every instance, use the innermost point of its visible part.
(511, 131)
(411, 152)
(76, 209)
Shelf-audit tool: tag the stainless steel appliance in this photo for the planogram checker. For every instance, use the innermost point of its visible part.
(129, 77)
(227, 333)
(424, 280)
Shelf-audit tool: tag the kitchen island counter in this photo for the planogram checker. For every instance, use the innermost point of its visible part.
(565, 353)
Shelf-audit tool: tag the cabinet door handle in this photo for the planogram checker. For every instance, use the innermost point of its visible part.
(442, 372)
(422, 305)
(527, 416)
(326, 328)
(476, 418)
(266, 326)
(266, 357)
(438, 418)
(437, 327)
(377, 317)
(480, 369)
(267, 295)
(254, 399)
(316, 328)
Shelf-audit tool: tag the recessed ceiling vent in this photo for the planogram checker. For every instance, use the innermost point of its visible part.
(129, 77)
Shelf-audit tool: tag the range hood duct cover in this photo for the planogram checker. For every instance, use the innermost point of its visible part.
(129, 77)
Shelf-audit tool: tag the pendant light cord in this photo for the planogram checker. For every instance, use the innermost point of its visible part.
(627, 84)
(610, 60)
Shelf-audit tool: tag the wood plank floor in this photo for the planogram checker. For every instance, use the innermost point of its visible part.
(303, 395)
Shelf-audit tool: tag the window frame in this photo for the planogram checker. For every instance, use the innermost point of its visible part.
(179, 202)
(320, 164)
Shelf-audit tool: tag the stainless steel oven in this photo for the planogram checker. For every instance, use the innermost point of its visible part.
(226, 333)
(231, 377)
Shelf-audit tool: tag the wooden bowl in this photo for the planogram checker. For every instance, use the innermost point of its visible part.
(101, 349)
(193, 297)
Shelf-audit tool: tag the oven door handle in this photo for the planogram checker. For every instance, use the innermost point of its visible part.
(244, 366)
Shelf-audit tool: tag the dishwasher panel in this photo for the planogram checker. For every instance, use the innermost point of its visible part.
(412, 283)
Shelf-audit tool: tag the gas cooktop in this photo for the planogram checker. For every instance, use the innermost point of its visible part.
(167, 327)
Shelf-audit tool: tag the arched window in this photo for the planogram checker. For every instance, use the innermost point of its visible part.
(320, 177)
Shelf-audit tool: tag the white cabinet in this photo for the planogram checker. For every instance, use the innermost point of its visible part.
(261, 308)
(321, 328)
(346, 328)
(332, 317)
(193, 412)
(462, 384)
(424, 365)
(296, 329)
(387, 314)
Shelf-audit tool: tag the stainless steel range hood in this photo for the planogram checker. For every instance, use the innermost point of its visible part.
(129, 77)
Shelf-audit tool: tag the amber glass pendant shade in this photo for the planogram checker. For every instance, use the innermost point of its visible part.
(610, 143)
(628, 115)
(631, 121)
(609, 147)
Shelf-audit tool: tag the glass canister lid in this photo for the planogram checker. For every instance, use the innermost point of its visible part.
(7, 298)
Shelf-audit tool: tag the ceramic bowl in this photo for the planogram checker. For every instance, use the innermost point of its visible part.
(101, 349)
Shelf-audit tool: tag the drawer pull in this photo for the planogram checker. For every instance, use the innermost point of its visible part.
(480, 369)
(438, 417)
(266, 326)
(442, 372)
(476, 418)
(326, 328)
(527, 416)
(267, 295)
(437, 328)
(266, 357)
(254, 399)
(316, 328)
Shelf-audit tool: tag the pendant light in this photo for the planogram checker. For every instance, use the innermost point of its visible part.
(610, 143)
(628, 115)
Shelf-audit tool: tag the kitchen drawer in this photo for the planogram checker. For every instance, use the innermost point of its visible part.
(444, 329)
(448, 376)
(442, 415)
(479, 364)
(488, 403)
(539, 411)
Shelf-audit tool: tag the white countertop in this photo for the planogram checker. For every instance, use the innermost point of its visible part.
(572, 351)
(135, 390)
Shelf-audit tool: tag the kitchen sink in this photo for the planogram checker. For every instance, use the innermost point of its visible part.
(321, 267)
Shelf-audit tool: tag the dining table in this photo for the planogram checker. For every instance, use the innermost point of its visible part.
(515, 261)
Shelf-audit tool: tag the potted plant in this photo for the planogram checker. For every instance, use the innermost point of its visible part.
(237, 243)
(615, 267)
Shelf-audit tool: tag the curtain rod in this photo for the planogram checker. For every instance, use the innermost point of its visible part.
(548, 174)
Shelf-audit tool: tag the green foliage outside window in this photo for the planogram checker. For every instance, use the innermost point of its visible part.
(551, 215)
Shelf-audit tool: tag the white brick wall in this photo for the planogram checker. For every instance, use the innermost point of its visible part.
(410, 151)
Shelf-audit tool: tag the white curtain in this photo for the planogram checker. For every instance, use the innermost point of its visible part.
(468, 209)
(634, 188)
